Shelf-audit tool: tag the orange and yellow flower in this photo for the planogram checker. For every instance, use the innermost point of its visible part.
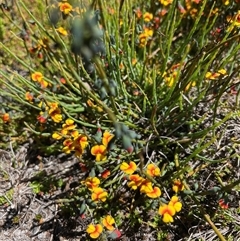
(171, 78)
(213, 76)
(75, 142)
(100, 152)
(55, 112)
(29, 96)
(62, 31)
(146, 186)
(98, 194)
(128, 168)
(235, 21)
(153, 170)
(177, 186)
(94, 230)
(107, 137)
(108, 222)
(44, 84)
(68, 126)
(145, 36)
(92, 182)
(68, 146)
(56, 135)
(167, 211)
(79, 139)
(42, 43)
(135, 181)
(65, 7)
(96, 107)
(37, 76)
(147, 17)
(175, 203)
(155, 192)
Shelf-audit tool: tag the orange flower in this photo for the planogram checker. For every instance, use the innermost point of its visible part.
(181, 8)
(92, 182)
(138, 13)
(37, 76)
(66, 8)
(152, 170)
(147, 17)
(105, 174)
(42, 118)
(29, 96)
(100, 152)
(175, 203)
(111, 11)
(223, 204)
(6, 118)
(63, 81)
(154, 193)
(98, 194)
(128, 168)
(167, 211)
(135, 181)
(108, 222)
(177, 186)
(94, 230)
